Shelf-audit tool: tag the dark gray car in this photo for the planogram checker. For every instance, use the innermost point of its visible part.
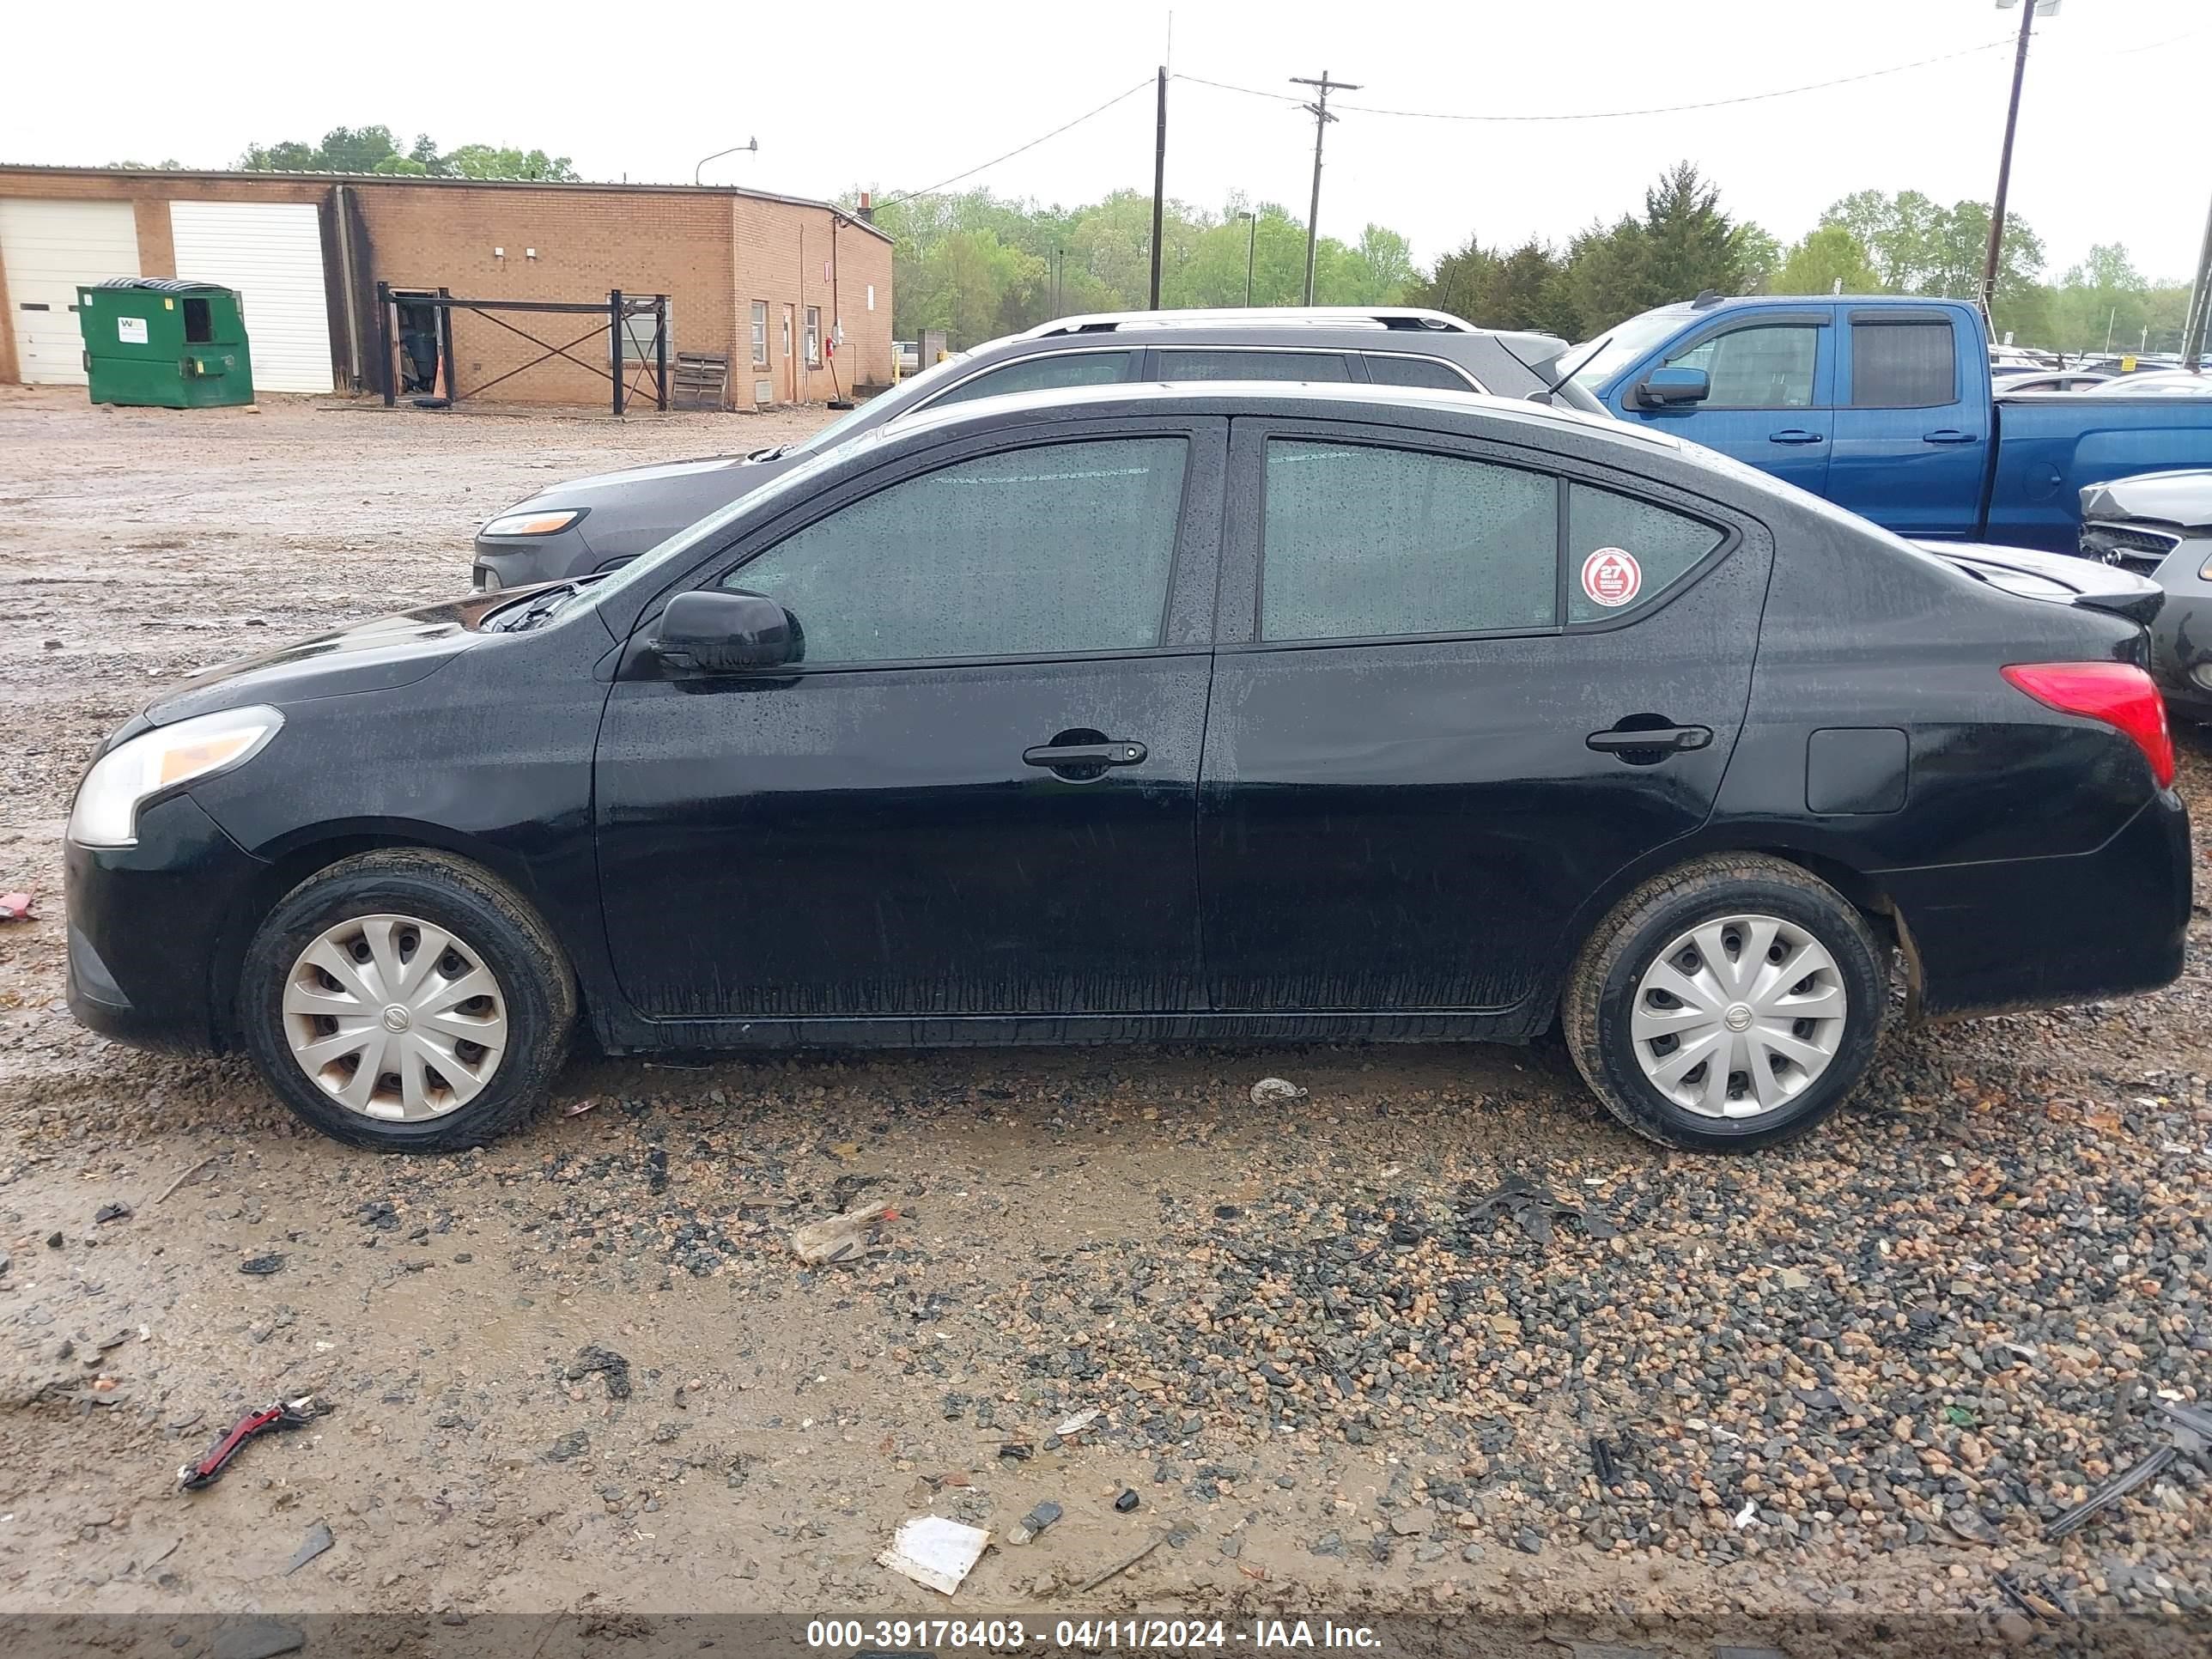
(2160, 524)
(596, 523)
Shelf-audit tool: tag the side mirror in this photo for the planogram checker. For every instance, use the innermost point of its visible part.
(713, 632)
(1663, 386)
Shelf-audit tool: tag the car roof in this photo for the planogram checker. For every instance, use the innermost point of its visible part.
(1362, 328)
(1226, 397)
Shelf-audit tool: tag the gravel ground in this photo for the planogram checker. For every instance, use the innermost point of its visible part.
(1816, 1389)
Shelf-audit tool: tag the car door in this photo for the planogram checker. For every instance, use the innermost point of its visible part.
(1912, 424)
(1771, 378)
(1436, 659)
(975, 793)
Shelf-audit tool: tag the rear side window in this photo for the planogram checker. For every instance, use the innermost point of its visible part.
(1622, 552)
(1045, 373)
(1057, 549)
(1903, 365)
(1417, 371)
(1257, 365)
(1361, 542)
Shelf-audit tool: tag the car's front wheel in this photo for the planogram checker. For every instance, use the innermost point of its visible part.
(407, 1001)
(1726, 1005)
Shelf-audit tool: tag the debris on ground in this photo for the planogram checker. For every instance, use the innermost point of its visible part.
(934, 1551)
(1602, 1460)
(278, 1414)
(614, 1366)
(1120, 1566)
(578, 1108)
(1034, 1522)
(1748, 1513)
(112, 1212)
(1275, 1088)
(1534, 1209)
(1018, 1451)
(183, 1175)
(841, 1237)
(1074, 1426)
(317, 1539)
(261, 1266)
(2189, 1434)
(1127, 1500)
(15, 907)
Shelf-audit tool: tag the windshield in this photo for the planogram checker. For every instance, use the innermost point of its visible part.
(839, 430)
(1626, 345)
(644, 569)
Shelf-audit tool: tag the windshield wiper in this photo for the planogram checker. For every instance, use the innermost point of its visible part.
(772, 453)
(533, 612)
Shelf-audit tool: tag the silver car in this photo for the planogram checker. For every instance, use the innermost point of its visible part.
(596, 523)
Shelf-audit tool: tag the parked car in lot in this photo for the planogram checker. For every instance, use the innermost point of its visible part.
(2156, 382)
(2160, 524)
(1883, 403)
(1237, 711)
(2057, 379)
(603, 522)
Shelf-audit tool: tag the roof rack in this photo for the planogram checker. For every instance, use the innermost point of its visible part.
(1384, 316)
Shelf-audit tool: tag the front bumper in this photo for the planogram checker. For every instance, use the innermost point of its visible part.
(503, 562)
(2181, 635)
(156, 930)
(2037, 933)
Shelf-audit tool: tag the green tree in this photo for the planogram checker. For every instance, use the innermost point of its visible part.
(494, 161)
(1826, 257)
(374, 151)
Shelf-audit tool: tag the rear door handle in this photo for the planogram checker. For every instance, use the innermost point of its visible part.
(1949, 434)
(1117, 751)
(1793, 434)
(1670, 739)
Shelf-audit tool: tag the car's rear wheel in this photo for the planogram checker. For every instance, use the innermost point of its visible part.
(407, 1001)
(1727, 1005)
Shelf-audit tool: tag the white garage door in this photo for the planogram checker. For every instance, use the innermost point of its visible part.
(47, 248)
(272, 254)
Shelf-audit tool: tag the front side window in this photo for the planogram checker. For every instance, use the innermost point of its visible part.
(1387, 370)
(1623, 553)
(1757, 367)
(1903, 365)
(1260, 364)
(814, 336)
(1360, 542)
(760, 334)
(1054, 550)
(1045, 373)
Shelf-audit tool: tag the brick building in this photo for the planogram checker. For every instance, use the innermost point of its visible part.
(765, 280)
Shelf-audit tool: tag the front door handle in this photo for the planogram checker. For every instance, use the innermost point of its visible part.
(1667, 739)
(1949, 434)
(1116, 751)
(1793, 434)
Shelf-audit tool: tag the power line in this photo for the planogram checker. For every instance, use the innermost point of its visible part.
(971, 173)
(1620, 114)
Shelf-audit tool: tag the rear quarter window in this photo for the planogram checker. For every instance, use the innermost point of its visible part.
(1623, 553)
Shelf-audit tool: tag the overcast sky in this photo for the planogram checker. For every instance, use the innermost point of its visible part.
(897, 97)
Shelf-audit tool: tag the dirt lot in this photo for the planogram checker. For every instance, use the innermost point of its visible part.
(581, 1370)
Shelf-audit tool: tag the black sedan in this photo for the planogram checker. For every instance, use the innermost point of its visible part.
(1240, 712)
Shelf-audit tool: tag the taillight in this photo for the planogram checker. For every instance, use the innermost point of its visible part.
(2118, 693)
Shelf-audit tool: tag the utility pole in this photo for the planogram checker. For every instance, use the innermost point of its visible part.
(1159, 183)
(2004, 159)
(1319, 109)
(1252, 245)
(2200, 303)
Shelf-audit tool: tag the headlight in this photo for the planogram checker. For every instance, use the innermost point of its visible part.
(122, 780)
(532, 524)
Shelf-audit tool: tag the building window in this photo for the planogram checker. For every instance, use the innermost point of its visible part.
(814, 336)
(639, 333)
(760, 334)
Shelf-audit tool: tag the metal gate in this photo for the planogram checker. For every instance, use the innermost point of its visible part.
(614, 315)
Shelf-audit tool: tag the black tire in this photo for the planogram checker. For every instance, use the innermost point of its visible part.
(536, 983)
(1596, 1009)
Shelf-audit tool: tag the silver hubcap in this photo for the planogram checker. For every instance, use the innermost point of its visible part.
(394, 1018)
(1738, 1016)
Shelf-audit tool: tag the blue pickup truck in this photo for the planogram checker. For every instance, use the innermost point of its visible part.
(1883, 405)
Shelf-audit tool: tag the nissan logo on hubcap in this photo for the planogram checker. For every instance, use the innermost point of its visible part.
(1738, 1017)
(395, 1018)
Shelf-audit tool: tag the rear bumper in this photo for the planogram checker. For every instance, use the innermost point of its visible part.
(149, 926)
(2032, 932)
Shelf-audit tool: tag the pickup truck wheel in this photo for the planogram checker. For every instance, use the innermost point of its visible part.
(1728, 1005)
(406, 1000)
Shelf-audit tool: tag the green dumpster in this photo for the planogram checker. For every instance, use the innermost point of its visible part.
(157, 340)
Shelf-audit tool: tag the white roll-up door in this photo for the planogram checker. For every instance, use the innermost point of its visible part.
(272, 254)
(47, 249)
